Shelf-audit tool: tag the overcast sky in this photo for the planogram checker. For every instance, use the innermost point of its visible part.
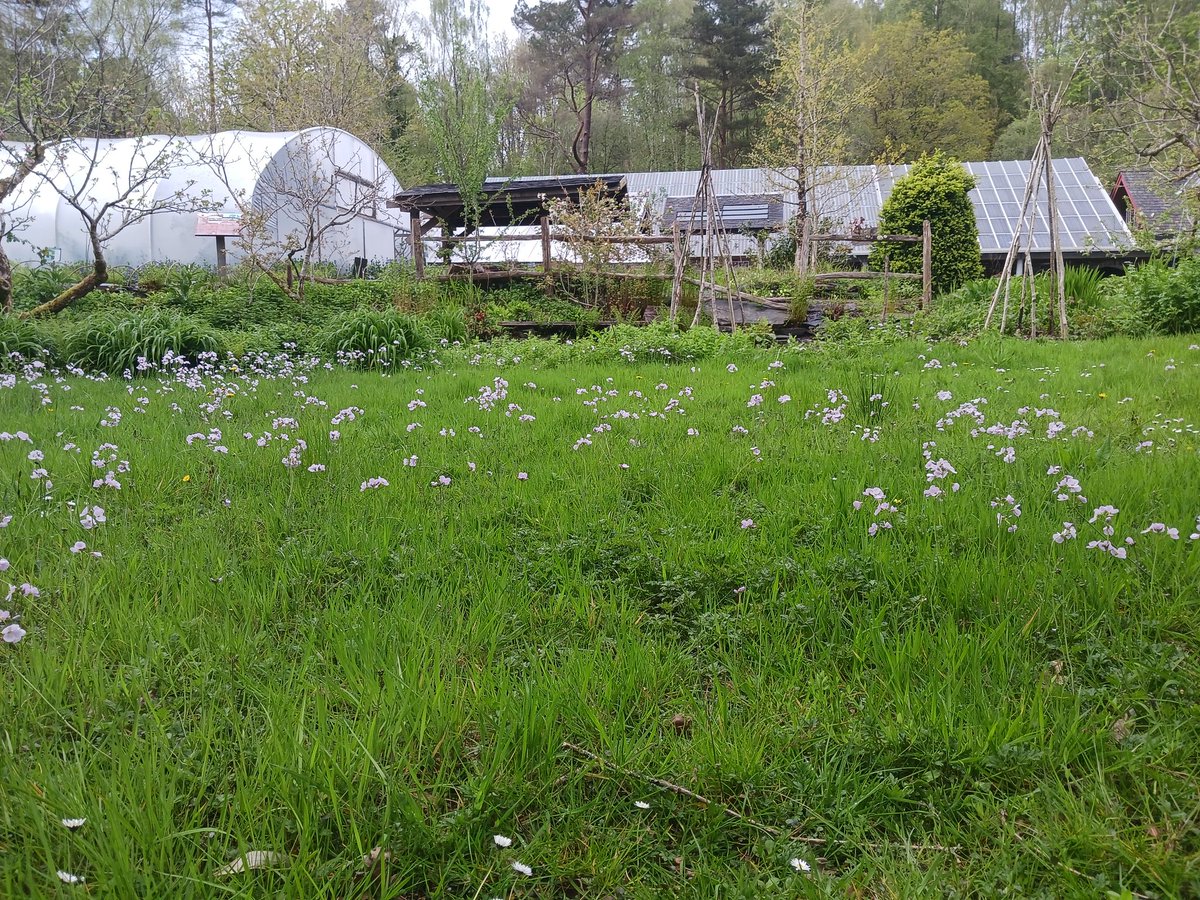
(499, 20)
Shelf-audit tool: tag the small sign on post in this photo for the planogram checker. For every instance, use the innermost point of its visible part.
(220, 226)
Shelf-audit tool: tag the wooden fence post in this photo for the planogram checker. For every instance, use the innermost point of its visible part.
(546, 261)
(418, 245)
(926, 265)
(887, 293)
(678, 261)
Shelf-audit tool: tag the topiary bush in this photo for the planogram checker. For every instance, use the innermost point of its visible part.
(373, 338)
(116, 341)
(936, 188)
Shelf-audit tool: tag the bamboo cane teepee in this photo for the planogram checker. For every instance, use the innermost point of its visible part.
(714, 247)
(1041, 172)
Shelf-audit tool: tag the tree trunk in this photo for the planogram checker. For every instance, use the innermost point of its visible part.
(34, 155)
(583, 138)
(82, 288)
(212, 69)
(6, 297)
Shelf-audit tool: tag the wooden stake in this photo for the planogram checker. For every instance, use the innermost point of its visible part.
(1058, 273)
(546, 261)
(926, 265)
(1013, 246)
(887, 271)
(677, 278)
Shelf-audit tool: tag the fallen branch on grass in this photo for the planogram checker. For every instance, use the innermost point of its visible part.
(734, 814)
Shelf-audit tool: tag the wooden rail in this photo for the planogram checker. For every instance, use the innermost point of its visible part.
(419, 236)
(868, 239)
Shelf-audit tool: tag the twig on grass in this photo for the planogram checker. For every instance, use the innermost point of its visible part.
(734, 814)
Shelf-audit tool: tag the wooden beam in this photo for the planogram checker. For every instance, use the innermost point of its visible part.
(418, 247)
(861, 239)
(638, 239)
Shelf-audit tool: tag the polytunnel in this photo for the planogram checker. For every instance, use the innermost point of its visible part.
(320, 186)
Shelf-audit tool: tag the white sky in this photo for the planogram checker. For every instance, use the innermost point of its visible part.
(499, 18)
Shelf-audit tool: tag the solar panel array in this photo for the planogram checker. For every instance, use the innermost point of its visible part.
(1087, 219)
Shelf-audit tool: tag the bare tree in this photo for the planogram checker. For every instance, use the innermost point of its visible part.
(80, 73)
(1151, 80)
(301, 206)
(111, 185)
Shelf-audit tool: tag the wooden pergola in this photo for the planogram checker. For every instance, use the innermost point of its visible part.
(503, 203)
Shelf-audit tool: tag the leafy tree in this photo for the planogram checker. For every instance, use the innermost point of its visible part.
(292, 64)
(812, 95)
(730, 40)
(922, 95)
(657, 113)
(573, 48)
(463, 104)
(209, 16)
(990, 30)
(71, 74)
(936, 188)
(1149, 82)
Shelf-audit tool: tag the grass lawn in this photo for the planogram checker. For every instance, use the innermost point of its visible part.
(736, 576)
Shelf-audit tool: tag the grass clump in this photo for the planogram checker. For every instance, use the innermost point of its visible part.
(117, 342)
(21, 339)
(372, 339)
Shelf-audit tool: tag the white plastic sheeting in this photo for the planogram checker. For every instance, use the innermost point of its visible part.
(291, 179)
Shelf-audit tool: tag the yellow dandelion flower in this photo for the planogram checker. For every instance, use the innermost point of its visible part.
(187, 477)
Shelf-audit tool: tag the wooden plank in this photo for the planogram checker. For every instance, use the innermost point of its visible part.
(862, 276)
(640, 239)
(862, 239)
